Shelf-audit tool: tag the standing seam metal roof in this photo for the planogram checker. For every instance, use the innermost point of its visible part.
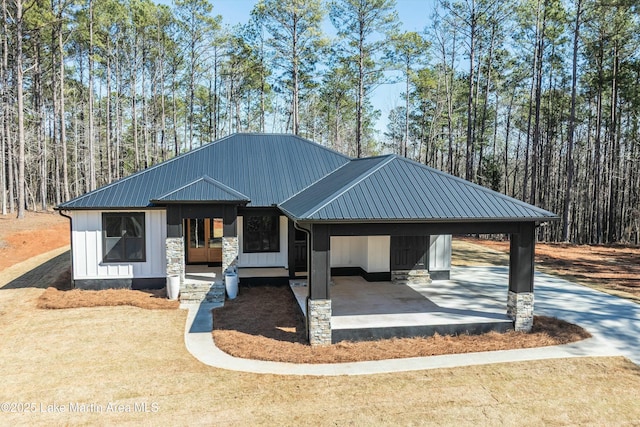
(395, 188)
(267, 169)
(308, 182)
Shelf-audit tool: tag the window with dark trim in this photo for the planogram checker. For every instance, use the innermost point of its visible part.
(261, 233)
(123, 237)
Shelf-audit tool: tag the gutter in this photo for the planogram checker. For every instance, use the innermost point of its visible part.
(73, 284)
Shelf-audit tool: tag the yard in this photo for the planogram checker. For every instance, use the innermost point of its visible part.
(105, 365)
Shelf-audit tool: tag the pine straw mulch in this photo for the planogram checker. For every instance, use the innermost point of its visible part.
(265, 323)
(56, 297)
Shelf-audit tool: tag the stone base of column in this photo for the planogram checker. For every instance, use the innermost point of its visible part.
(175, 257)
(520, 310)
(410, 277)
(229, 252)
(319, 321)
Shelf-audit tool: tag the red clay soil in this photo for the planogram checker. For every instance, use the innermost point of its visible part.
(615, 268)
(265, 323)
(37, 233)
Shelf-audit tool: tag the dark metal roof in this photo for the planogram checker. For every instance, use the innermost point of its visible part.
(308, 182)
(204, 189)
(265, 168)
(395, 188)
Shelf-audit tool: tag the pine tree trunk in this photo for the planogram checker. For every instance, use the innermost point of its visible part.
(90, 136)
(4, 137)
(20, 101)
(61, 109)
(568, 197)
(470, 100)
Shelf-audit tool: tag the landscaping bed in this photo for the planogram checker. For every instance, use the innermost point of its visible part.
(265, 323)
(151, 299)
(59, 296)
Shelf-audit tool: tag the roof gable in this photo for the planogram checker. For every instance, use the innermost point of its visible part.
(203, 189)
(400, 189)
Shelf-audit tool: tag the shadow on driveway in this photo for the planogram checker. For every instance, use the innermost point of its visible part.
(43, 275)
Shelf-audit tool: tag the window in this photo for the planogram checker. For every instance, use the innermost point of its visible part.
(124, 236)
(261, 233)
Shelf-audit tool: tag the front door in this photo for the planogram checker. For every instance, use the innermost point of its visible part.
(205, 240)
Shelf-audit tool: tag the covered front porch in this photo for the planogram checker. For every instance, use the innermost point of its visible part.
(364, 310)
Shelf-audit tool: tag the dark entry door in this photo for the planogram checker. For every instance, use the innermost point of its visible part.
(300, 248)
(409, 252)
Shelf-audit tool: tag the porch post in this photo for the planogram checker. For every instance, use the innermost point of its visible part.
(174, 243)
(318, 301)
(230, 237)
(521, 271)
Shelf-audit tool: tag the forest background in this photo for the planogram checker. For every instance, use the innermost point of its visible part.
(537, 99)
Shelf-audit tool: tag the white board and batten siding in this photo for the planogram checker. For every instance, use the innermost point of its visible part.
(265, 259)
(87, 247)
(440, 253)
(371, 253)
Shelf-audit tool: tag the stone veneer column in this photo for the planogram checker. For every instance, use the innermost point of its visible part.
(411, 277)
(229, 252)
(175, 257)
(319, 320)
(520, 310)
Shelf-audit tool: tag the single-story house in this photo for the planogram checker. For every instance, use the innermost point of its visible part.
(274, 200)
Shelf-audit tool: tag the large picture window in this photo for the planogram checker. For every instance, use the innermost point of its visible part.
(261, 233)
(123, 237)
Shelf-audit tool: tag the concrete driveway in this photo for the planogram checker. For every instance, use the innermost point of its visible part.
(613, 321)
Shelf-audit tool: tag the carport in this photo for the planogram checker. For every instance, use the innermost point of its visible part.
(396, 197)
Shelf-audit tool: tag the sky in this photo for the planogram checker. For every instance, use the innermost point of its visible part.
(414, 16)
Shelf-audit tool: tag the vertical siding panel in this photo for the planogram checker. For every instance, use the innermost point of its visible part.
(93, 230)
(79, 244)
(87, 248)
(378, 250)
(440, 253)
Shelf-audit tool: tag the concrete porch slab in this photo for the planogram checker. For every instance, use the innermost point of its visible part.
(364, 310)
(195, 274)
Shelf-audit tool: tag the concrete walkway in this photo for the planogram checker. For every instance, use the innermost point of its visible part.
(613, 322)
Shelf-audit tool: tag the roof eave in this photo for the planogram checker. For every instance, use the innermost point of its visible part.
(108, 208)
(422, 220)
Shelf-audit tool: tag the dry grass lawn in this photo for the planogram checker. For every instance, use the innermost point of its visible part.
(265, 323)
(127, 356)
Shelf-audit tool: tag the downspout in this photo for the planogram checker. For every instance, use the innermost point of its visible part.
(73, 282)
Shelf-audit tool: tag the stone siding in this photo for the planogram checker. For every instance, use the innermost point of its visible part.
(520, 310)
(229, 252)
(319, 315)
(410, 277)
(175, 257)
